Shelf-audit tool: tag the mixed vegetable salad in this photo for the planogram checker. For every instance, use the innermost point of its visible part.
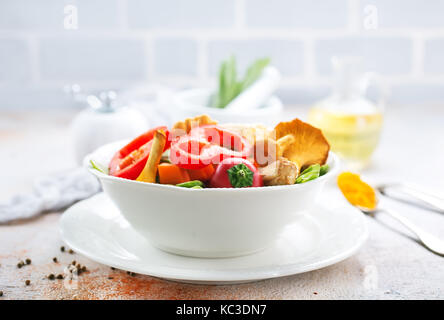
(199, 153)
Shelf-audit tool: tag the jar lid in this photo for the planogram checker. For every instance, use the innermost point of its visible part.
(105, 102)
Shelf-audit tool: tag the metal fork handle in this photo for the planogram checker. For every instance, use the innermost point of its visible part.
(430, 241)
(431, 201)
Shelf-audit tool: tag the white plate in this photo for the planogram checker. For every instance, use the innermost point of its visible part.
(95, 228)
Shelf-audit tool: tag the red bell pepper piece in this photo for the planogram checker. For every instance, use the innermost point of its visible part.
(129, 161)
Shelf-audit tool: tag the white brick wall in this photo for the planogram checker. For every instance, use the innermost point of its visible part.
(181, 43)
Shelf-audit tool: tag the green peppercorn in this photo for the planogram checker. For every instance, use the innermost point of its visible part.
(51, 277)
(55, 259)
(59, 276)
(62, 248)
(28, 261)
(71, 251)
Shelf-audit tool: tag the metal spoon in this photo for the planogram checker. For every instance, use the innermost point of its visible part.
(429, 241)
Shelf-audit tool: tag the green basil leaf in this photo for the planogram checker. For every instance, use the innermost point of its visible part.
(191, 184)
(98, 167)
(324, 169)
(311, 173)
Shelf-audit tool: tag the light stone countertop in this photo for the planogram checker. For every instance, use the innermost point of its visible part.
(390, 265)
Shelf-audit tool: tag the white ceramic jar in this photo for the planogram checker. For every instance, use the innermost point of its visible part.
(103, 123)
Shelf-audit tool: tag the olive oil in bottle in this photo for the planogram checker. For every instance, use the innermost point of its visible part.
(351, 123)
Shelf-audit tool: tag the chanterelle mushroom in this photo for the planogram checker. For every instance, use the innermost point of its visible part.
(251, 132)
(309, 146)
(184, 127)
(279, 172)
(268, 150)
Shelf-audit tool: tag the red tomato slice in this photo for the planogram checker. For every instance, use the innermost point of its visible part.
(129, 161)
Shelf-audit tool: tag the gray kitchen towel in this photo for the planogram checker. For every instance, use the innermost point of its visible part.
(50, 193)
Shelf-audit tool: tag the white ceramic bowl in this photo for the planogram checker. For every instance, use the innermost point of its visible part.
(194, 102)
(217, 222)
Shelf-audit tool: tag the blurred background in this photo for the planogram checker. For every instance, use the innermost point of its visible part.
(148, 50)
(78, 74)
(120, 43)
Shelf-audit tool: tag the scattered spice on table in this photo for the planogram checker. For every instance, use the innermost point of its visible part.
(72, 267)
(1, 293)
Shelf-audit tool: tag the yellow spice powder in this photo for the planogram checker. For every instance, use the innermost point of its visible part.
(356, 191)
